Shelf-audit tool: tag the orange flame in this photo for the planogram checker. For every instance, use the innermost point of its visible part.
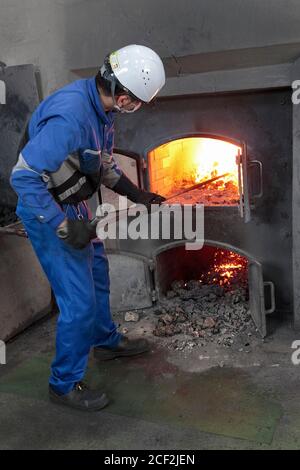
(184, 162)
(215, 157)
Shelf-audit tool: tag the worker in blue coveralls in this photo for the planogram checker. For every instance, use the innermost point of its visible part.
(67, 156)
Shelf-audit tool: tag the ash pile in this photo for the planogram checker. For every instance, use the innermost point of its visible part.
(204, 313)
(7, 216)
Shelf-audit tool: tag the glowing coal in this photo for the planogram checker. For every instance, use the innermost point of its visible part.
(180, 164)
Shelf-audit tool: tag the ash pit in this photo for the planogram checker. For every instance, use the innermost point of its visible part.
(203, 296)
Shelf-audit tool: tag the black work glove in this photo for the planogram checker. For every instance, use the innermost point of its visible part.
(77, 233)
(126, 187)
(147, 198)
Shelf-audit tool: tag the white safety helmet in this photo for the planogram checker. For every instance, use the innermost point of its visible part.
(136, 69)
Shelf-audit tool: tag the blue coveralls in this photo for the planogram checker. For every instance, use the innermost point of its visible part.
(72, 119)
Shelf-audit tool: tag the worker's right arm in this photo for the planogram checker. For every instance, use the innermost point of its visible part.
(45, 153)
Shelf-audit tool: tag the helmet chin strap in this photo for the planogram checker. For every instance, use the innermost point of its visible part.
(112, 91)
(107, 75)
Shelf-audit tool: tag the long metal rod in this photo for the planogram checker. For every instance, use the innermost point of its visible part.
(198, 185)
(118, 215)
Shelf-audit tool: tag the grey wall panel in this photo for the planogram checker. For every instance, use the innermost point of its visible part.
(21, 98)
(25, 291)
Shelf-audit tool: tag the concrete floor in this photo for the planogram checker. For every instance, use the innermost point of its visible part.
(209, 398)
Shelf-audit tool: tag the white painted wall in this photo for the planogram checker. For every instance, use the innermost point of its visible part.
(33, 31)
(59, 35)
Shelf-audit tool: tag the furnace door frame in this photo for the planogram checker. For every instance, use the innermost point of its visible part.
(139, 162)
(257, 285)
(242, 164)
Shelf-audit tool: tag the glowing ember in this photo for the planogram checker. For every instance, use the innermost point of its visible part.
(228, 269)
(179, 164)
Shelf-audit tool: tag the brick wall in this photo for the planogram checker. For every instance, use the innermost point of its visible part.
(163, 166)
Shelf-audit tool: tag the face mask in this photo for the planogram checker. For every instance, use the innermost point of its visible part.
(127, 111)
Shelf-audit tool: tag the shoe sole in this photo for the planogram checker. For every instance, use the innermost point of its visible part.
(107, 355)
(57, 401)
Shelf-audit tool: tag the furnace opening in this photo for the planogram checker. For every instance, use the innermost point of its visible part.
(203, 295)
(210, 266)
(182, 163)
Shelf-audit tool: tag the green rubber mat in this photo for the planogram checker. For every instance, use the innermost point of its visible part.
(221, 400)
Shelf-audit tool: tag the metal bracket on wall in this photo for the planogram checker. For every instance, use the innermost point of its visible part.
(241, 204)
(153, 291)
(261, 189)
(272, 308)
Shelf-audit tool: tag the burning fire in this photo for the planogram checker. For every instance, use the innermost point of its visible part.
(215, 157)
(180, 164)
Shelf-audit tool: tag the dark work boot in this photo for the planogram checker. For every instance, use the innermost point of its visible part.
(81, 398)
(126, 347)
